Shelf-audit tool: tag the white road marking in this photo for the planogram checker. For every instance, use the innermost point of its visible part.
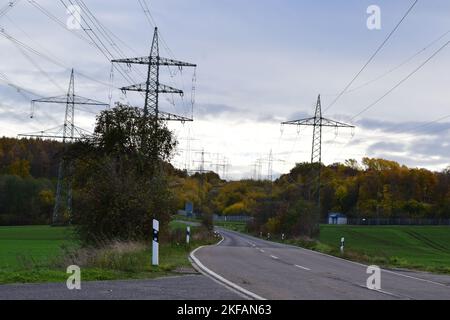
(274, 257)
(261, 250)
(352, 262)
(228, 284)
(301, 267)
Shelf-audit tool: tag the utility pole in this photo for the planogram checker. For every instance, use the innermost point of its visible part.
(317, 122)
(67, 132)
(152, 87)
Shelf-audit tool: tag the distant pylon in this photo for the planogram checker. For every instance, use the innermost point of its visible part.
(68, 131)
(317, 122)
(270, 160)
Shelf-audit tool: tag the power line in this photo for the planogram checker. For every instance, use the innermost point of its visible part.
(50, 59)
(22, 91)
(398, 66)
(8, 7)
(372, 56)
(57, 21)
(99, 43)
(401, 81)
(413, 129)
(42, 71)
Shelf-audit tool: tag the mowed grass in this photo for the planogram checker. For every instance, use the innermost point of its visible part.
(232, 225)
(41, 254)
(415, 247)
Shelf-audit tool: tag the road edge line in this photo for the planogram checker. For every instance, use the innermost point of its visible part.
(221, 280)
(349, 261)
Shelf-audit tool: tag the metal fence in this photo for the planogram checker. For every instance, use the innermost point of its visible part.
(398, 221)
(232, 218)
(218, 218)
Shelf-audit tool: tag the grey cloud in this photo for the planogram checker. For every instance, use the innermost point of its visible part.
(413, 127)
(435, 151)
(386, 146)
(212, 110)
(205, 111)
(415, 162)
(436, 147)
(298, 115)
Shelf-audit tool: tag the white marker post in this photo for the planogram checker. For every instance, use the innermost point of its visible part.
(155, 251)
(282, 236)
(188, 234)
(342, 244)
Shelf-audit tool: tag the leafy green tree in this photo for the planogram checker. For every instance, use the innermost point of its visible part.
(119, 183)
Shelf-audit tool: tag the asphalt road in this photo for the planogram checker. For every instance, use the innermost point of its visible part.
(189, 287)
(276, 271)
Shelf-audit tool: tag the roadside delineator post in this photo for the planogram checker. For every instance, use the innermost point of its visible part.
(282, 236)
(188, 234)
(342, 244)
(260, 234)
(268, 236)
(155, 243)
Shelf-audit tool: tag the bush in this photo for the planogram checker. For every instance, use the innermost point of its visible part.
(302, 219)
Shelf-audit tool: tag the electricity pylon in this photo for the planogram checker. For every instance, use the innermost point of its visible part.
(152, 87)
(270, 160)
(317, 122)
(67, 132)
(220, 164)
(257, 168)
(201, 163)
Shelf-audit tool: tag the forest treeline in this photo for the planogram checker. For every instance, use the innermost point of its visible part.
(28, 171)
(373, 188)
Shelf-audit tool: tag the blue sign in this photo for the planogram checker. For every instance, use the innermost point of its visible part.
(189, 208)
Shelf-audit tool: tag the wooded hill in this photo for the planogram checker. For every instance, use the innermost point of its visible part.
(372, 188)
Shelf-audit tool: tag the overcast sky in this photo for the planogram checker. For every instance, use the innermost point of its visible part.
(260, 62)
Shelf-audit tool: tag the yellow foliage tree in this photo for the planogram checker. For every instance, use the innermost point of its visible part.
(20, 168)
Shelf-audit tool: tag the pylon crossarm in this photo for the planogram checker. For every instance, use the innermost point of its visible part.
(176, 63)
(82, 133)
(140, 60)
(57, 133)
(142, 87)
(47, 136)
(301, 122)
(331, 123)
(48, 132)
(76, 100)
(166, 116)
(153, 60)
(324, 123)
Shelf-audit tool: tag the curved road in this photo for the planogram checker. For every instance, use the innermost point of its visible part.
(277, 271)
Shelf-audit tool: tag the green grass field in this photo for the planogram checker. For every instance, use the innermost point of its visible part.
(36, 254)
(35, 244)
(416, 247)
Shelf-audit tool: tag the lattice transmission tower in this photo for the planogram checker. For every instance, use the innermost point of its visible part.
(317, 122)
(153, 87)
(67, 132)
